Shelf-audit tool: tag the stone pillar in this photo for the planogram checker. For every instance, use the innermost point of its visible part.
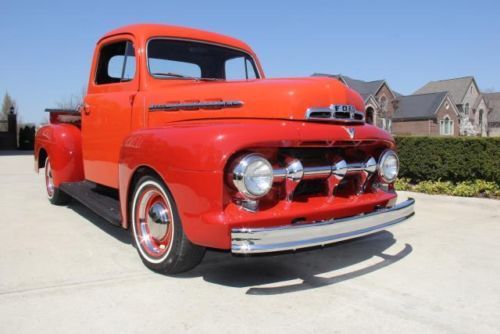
(12, 121)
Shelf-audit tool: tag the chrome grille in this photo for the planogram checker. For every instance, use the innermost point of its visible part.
(333, 174)
(336, 113)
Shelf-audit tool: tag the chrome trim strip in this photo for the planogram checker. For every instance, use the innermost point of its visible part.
(195, 105)
(292, 237)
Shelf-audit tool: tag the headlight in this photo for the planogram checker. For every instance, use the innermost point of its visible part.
(253, 176)
(388, 166)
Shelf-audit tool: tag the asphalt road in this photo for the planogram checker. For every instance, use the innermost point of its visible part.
(65, 270)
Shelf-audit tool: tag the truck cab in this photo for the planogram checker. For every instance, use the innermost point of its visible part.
(182, 140)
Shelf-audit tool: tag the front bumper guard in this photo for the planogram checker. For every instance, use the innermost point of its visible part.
(292, 237)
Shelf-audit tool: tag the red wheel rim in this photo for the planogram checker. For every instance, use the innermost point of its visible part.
(153, 223)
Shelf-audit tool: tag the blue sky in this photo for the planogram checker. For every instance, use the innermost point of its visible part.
(46, 46)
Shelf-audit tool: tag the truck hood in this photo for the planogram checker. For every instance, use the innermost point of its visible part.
(286, 99)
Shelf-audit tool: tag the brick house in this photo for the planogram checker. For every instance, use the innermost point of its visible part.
(380, 100)
(468, 99)
(493, 102)
(428, 114)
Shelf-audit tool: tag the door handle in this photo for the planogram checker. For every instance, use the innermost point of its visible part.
(86, 109)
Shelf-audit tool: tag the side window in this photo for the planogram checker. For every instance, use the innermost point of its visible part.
(239, 68)
(116, 63)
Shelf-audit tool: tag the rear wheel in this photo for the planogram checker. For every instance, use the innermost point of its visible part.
(55, 195)
(157, 229)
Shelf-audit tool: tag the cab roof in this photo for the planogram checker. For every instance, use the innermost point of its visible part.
(146, 31)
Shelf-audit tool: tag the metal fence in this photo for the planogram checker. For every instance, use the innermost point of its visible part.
(4, 125)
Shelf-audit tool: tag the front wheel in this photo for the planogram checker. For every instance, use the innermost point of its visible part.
(157, 229)
(56, 196)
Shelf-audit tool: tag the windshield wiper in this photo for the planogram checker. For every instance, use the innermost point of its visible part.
(182, 76)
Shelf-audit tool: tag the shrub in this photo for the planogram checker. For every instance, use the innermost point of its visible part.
(403, 184)
(434, 187)
(465, 189)
(455, 159)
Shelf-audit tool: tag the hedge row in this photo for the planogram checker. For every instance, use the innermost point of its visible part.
(476, 188)
(452, 159)
(27, 137)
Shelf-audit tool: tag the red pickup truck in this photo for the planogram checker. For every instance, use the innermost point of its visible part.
(182, 140)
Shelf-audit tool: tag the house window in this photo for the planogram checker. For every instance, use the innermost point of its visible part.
(383, 103)
(369, 115)
(447, 105)
(466, 109)
(481, 120)
(446, 126)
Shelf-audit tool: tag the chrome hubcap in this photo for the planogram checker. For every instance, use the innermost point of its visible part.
(153, 222)
(158, 220)
(49, 180)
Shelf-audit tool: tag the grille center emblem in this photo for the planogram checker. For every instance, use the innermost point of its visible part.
(351, 132)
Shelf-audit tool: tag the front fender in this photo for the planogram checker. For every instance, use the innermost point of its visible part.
(63, 144)
(190, 157)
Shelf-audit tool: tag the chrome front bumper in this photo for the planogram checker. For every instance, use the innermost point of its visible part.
(292, 237)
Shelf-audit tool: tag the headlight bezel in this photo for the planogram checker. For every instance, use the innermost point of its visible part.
(380, 167)
(240, 171)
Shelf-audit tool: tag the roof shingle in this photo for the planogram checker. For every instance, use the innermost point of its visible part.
(456, 87)
(419, 106)
(364, 88)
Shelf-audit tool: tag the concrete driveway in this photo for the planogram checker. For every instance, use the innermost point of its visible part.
(65, 270)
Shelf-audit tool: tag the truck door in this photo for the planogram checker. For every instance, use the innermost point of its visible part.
(107, 109)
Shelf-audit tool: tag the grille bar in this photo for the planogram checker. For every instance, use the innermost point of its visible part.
(295, 172)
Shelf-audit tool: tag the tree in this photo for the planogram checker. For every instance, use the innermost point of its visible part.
(74, 101)
(466, 127)
(45, 120)
(383, 113)
(7, 103)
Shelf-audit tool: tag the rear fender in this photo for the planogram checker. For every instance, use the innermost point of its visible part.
(63, 144)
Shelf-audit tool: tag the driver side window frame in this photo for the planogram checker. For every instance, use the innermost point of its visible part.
(101, 74)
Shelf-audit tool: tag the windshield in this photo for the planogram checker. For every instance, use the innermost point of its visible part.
(176, 59)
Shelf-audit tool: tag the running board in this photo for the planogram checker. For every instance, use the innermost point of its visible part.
(103, 201)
